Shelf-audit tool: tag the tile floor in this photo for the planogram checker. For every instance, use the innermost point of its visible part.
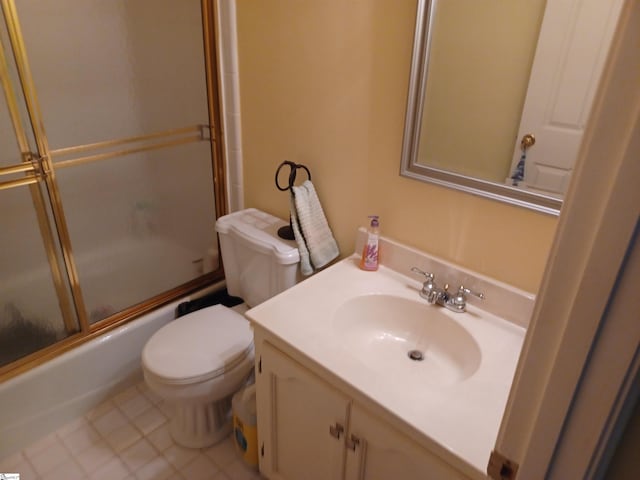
(126, 437)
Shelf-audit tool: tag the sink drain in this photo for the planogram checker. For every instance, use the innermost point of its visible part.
(416, 355)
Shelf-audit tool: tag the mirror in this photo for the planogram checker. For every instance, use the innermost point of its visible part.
(485, 74)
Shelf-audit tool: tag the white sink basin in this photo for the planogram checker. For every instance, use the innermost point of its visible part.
(394, 335)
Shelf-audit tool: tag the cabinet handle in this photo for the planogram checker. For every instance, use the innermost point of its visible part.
(352, 442)
(336, 430)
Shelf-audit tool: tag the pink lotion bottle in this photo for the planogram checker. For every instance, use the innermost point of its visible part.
(370, 253)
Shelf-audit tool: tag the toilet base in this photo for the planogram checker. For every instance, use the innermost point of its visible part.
(199, 425)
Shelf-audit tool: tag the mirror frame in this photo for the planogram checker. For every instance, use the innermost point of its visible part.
(410, 167)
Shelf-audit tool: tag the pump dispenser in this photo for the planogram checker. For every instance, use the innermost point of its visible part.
(370, 257)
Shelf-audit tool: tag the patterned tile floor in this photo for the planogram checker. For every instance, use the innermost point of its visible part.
(126, 437)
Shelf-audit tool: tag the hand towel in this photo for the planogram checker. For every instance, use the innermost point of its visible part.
(315, 240)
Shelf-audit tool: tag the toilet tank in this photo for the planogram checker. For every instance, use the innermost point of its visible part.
(257, 263)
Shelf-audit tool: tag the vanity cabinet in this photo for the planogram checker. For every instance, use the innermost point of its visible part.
(381, 452)
(309, 429)
(295, 411)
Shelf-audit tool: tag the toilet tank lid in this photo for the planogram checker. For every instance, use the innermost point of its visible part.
(261, 229)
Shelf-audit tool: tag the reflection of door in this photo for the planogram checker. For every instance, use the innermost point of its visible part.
(573, 44)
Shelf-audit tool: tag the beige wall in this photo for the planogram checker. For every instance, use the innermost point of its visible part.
(325, 84)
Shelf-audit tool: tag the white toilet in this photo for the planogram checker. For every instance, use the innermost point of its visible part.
(197, 362)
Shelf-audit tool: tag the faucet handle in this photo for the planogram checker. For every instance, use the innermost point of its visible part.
(429, 276)
(429, 290)
(458, 302)
(468, 291)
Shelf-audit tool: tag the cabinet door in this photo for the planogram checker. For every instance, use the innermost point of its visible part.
(295, 412)
(377, 451)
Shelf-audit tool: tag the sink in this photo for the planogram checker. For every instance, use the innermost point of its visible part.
(356, 329)
(394, 335)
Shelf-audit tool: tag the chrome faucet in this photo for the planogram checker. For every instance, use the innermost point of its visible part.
(433, 294)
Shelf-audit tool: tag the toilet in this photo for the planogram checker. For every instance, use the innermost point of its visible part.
(197, 362)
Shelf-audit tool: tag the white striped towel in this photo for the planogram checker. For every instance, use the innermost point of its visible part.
(316, 244)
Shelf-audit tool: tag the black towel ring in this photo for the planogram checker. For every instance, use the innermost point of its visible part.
(292, 174)
(286, 232)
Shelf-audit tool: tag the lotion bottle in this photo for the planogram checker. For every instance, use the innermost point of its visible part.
(370, 257)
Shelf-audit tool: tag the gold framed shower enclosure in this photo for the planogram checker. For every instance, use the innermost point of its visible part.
(40, 166)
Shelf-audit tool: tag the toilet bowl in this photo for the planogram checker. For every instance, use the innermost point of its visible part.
(197, 362)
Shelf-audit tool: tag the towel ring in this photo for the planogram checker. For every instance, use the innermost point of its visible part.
(292, 174)
(286, 232)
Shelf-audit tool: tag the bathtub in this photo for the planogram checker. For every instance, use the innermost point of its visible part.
(50, 395)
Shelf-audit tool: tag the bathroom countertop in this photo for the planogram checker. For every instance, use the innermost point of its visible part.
(459, 421)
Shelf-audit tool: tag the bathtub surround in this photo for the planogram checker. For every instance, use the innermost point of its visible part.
(335, 75)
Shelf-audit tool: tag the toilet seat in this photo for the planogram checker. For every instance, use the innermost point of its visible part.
(199, 346)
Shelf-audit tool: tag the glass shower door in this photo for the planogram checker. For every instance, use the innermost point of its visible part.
(132, 158)
(123, 99)
(36, 310)
(111, 167)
